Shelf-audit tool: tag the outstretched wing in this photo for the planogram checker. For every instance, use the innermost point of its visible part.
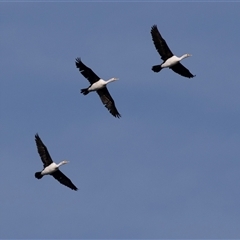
(108, 101)
(160, 44)
(43, 152)
(86, 71)
(64, 179)
(180, 69)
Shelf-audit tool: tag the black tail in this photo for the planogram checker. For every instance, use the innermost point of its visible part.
(84, 91)
(157, 68)
(38, 175)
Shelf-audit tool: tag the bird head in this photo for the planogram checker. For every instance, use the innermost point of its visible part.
(65, 162)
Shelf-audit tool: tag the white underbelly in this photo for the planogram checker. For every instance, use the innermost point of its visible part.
(49, 169)
(170, 62)
(97, 85)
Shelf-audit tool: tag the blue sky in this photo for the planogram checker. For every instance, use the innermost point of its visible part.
(169, 168)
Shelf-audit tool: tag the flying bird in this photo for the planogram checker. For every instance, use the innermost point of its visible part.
(169, 60)
(99, 85)
(50, 167)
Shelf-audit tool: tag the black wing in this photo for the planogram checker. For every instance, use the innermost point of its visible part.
(108, 102)
(86, 71)
(180, 69)
(64, 179)
(160, 44)
(43, 152)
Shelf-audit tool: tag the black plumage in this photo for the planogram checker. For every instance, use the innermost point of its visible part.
(165, 53)
(103, 93)
(47, 160)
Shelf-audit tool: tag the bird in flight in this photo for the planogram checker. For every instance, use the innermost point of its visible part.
(169, 60)
(99, 85)
(50, 167)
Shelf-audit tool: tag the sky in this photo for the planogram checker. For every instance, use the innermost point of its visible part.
(168, 168)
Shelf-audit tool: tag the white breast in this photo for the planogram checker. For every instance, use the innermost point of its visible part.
(97, 85)
(50, 169)
(170, 62)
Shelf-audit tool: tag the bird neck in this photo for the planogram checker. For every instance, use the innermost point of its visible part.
(61, 163)
(184, 56)
(110, 80)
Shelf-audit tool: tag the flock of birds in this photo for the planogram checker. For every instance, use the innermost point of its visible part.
(100, 86)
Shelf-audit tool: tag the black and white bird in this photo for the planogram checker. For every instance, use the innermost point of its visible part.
(99, 85)
(169, 60)
(50, 167)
